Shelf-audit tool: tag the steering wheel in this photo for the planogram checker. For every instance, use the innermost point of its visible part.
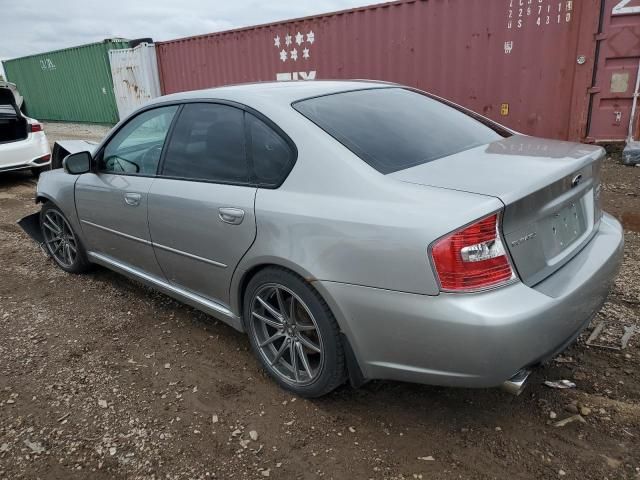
(116, 164)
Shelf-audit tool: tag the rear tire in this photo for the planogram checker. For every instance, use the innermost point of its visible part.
(62, 243)
(293, 333)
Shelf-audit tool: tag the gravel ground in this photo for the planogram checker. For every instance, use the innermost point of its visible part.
(103, 378)
(74, 131)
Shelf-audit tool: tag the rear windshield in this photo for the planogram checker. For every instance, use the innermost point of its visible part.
(394, 128)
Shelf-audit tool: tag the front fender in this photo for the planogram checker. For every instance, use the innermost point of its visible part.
(58, 187)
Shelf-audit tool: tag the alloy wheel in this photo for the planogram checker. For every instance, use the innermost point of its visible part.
(60, 240)
(287, 334)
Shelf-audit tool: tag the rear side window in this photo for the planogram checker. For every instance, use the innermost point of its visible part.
(271, 154)
(208, 143)
(393, 128)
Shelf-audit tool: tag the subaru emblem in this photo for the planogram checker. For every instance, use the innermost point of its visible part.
(576, 180)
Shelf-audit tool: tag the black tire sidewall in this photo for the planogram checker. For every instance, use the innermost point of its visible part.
(332, 374)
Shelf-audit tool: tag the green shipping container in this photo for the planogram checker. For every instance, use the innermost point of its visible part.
(69, 85)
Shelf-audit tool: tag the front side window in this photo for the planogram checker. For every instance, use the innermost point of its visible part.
(271, 154)
(208, 143)
(394, 128)
(136, 148)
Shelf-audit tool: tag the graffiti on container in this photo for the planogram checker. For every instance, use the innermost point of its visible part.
(47, 64)
(288, 76)
(508, 47)
(623, 7)
(541, 12)
(291, 48)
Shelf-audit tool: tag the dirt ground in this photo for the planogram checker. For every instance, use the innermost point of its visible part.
(103, 378)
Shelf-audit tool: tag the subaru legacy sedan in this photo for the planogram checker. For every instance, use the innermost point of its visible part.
(354, 230)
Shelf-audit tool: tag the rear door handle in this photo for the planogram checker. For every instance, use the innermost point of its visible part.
(132, 199)
(234, 216)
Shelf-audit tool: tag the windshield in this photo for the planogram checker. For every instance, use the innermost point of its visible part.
(394, 128)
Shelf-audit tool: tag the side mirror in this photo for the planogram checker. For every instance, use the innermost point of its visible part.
(77, 163)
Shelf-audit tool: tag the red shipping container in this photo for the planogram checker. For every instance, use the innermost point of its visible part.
(528, 64)
(616, 70)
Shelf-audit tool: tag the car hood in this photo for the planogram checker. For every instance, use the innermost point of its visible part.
(62, 148)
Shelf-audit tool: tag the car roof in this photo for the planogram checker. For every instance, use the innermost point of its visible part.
(278, 92)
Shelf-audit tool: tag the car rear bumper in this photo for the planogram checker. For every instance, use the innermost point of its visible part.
(28, 153)
(481, 339)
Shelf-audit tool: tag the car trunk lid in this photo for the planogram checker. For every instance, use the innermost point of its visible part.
(550, 189)
(13, 126)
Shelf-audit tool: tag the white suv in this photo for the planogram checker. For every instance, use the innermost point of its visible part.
(23, 144)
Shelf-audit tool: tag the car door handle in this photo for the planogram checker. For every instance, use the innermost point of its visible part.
(234, 216)
(132, 199)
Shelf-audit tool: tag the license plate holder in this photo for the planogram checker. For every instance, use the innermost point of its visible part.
(566, 226)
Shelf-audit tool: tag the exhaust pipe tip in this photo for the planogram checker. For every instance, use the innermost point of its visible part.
(515, 385)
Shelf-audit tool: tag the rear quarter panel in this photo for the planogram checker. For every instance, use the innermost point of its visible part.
(337, 219)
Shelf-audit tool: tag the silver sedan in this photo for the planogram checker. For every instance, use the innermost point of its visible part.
(354, 230)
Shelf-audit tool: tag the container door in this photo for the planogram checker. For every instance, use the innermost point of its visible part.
(616, 71)
(135, 77)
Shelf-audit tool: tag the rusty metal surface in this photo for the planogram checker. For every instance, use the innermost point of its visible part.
(135, 77)
(515, 61)
(616, 71)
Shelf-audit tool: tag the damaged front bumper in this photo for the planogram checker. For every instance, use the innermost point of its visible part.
(31, 225)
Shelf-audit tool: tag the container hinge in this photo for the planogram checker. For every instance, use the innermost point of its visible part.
(601, 36)
(593, 90)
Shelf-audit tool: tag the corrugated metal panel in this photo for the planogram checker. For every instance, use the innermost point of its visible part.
(512, 60)
(73, 84)
(616, 70)
(135, 77)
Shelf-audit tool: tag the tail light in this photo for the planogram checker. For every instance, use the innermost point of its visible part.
(43, 159)
(35, 127)
(473, 258)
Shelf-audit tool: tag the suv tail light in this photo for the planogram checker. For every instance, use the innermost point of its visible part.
(35, 127)
(43, 159)
(473, 258)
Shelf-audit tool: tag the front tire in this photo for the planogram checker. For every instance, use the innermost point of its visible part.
(61, 242)
(293, 333)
